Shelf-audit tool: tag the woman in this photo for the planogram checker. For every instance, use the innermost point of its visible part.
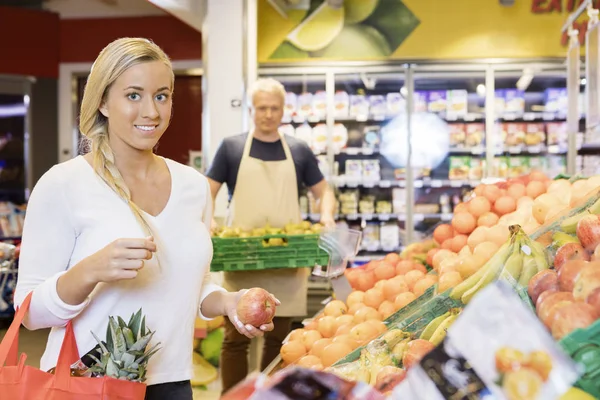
(120, 228)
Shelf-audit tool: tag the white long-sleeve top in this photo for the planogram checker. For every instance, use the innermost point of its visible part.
(72, 214)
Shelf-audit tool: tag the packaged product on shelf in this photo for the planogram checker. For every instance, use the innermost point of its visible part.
(370, 238)
(372, 137)
(354, 169)
(538, 164)
(556, 100)
(341, 102)
(371, 170)
(420, 101)
(287, 129)
(458, 101)
(500, 167)
(458, 135)
(304, 105)
(514, 101)
(377, 106)
(304, 132)
(366, 204)
(389, 236)
(349, 202)
(557, 134)
(359, 106)
(395, 104)
(518, 166)
(500, 101)
(515, 134)
(459, 168)
(399, 200)
(319, 104)
(534, 134)
(474, 135)
(445, 206)
(319, 138)
(557, 165)
(476, 168)
(11, 219)
(509, 348)
(289, 108)
(383, 207)
(436, 101)
(339, 137)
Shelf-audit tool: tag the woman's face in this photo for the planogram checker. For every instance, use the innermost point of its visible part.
(138, 106)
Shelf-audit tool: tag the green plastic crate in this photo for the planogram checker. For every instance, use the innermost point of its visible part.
(254, 253)
(583, 346)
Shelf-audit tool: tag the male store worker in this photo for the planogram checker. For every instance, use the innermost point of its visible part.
(264, 171)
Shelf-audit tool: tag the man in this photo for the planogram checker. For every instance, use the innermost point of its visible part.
(264, 171)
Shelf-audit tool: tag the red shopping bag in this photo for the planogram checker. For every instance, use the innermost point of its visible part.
(22, 382)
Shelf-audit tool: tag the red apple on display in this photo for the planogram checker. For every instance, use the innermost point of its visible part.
(256, 307)
(568, 252)
(588, 232)
(568, 274)
(587, 281)
(541, 282)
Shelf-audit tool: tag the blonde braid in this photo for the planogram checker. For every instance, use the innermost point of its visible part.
(104, 165)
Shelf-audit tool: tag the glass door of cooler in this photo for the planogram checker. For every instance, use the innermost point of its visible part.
(369, 158)
(531, 134)
(448, 131)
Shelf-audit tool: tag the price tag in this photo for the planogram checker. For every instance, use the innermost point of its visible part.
(436, 184)
(548, 116)
(314, 118)
(368, 184)
(367, 216)
(470, 117)
(362, 118)
(352, 216)
(418, 217)
(456, 184)
(451, 117)
(367, 151)
(352, 183)
(384, 217)
(418, 184)
(514, 149)
(477, 150)
(509, 117)
(352, 151)
(535, 149)
(529, 116)
(299, 119)
(385, 184)
(378, 117)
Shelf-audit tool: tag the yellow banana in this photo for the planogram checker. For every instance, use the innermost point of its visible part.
(432, 326)
(459, 290)
(398, 351)
(440, 333)
(514, 263)
(492, 272)
(569, 225)
(530, 268)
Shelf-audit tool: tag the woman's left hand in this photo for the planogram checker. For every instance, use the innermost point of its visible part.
(247, 330)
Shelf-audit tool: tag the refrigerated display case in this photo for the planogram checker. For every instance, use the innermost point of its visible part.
(404, 143)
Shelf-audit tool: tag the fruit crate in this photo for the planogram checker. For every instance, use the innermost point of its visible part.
(414, 317)
(583, 346)
(267, 252)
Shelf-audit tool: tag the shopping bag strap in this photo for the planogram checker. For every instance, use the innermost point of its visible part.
(69, 353)
(9, 348)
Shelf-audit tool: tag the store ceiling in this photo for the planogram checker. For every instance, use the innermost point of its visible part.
(98, 8)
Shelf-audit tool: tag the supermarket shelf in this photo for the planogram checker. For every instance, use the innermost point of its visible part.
(382, 216)
(589, 149)
(342, 182)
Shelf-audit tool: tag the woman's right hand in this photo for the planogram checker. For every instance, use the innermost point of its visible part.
(121, 259)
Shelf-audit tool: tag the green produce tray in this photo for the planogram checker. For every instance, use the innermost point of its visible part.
(254, 253)
(583, 346)
(414, 317)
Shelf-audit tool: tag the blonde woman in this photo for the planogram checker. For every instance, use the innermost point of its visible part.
(120, 228)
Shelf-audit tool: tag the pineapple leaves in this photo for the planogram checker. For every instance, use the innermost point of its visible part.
(135, 324)
(129, 337)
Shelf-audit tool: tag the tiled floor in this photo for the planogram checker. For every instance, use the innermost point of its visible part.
(33, 343)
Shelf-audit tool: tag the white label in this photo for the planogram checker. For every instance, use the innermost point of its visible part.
(456, 184)
(529, 116)
(384, 217)
(367, 217)
(526, 249)
(436, 184)
(514, 149)
(385, 184)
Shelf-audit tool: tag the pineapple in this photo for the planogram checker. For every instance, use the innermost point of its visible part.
(124, 355)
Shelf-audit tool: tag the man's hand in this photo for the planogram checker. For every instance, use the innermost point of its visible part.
(327, 221)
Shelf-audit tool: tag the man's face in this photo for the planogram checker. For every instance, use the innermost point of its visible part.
(267, 111)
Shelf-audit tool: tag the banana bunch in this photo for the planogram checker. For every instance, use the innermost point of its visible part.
(386, 350)
(435, 331)
(569, 225)
(518, 260)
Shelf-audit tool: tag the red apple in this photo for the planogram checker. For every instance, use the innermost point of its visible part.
(542, 281)
(588, 232)
(388, 378)
(587, 281)
(570, 317)
(568, 274)
(256, 307)
(569, 251)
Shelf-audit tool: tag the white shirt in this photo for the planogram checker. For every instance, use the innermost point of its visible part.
(72, 214)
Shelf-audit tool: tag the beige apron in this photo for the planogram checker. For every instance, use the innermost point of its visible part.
(267, 192)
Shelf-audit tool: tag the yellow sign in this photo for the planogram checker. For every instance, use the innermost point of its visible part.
(416, 30)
